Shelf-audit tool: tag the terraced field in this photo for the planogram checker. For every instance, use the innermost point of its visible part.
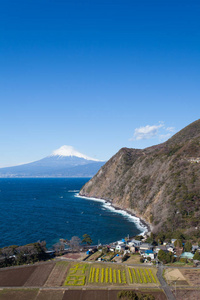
(58, 274)
(114, 275)
(63, 273)
(142, 275)
(77, 275)
(36, 294)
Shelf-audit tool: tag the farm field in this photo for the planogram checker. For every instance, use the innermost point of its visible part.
(133, 259)
(16, 276)
(192, 277)
(36, 294)
(175, 275)
(58, 274)
(40, 275)
(108, 274)
(63, 273)
(80, 255)
(187, 294)
(76, 275)
(142, 276)
(50, 295)
(28, 294)
(94, 256)
(101, 275)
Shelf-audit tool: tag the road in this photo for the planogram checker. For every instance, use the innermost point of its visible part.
(164, 284)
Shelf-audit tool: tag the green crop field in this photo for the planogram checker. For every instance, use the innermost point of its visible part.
(141, 275)
(77, 275)
(108, 274)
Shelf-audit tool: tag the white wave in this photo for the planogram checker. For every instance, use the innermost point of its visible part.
(130, 217)
(73, 191)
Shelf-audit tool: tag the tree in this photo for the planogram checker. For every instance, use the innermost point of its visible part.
(75, 243)
(178, 243)
(87, 239)
(188, 246)
(196, 255)
(131, 295)
(165, 257)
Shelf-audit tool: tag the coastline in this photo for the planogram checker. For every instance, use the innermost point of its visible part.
(141, 224)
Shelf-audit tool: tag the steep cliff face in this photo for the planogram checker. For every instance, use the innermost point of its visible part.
(160, 184)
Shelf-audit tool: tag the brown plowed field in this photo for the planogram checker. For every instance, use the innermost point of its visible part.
(58, 274)
(187, 294)
(40, 275)
(50, 295)
(15, 276)
(101, 295)
(19, 294)
(192, 276)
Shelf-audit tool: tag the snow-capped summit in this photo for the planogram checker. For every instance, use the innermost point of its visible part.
(70, 151)
(63, 162)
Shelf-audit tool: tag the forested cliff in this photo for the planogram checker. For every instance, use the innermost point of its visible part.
(160, 184)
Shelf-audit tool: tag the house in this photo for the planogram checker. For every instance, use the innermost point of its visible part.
(145, 246)
(170, 248)
(135, 243)
(160, 247)
(132, 249)
(148, 253)
(194, 248)
(120, 247)
(173, 241)
(187, 255)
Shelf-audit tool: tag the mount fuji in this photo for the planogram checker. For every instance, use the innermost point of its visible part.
(63, 162)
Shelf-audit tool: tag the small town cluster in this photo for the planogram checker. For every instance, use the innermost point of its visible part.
(167, 252)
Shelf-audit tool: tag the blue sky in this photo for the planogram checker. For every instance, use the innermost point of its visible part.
(96, 75)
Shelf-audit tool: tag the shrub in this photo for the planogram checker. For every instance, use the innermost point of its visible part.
(152, 276)
(114, 276)
(102, 275)
(130, 275)
(119, 276)
(110, 275)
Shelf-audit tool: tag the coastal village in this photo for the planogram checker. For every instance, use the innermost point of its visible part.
(139, 250)
(137, 267)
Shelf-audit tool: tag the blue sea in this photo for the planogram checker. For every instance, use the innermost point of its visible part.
(34, 209)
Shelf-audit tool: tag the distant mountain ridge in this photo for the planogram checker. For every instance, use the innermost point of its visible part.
(63, 162)
(160, 184)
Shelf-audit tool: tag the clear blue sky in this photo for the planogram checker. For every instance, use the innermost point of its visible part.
(97, 75)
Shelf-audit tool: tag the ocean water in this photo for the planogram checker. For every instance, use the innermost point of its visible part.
(34, 209)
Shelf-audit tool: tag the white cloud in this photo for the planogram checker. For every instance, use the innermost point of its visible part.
(146, 132)
(165, 136)
(170, 129)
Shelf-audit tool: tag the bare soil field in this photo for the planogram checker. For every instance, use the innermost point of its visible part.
(15, 276)
(102, 295)
(192, 276)
(58, 274)
(40, 274)
(94, 256)
(50, 295)
(133, 259)
(29, 294)
(79, 255)
(187, 294)
(175, 275)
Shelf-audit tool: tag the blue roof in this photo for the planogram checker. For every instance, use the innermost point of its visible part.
(149, 252)
(187, 255)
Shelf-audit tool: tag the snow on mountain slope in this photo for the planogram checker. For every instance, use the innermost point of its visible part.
(63, 162)
(70, 151)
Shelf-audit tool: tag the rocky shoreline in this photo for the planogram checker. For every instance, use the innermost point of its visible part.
(130, 212)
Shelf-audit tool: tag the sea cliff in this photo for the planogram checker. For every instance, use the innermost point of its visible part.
(159, 184)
